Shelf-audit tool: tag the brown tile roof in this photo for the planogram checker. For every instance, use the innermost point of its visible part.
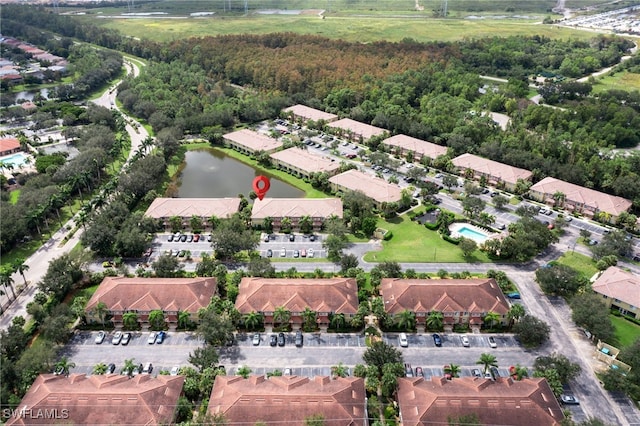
(618, 284)
(296, 207)
(254, 141)
(501, 171)
(304, 160)
(9, 144)
(147, 294)
(100, 400)
(419, 146)
(500, 402)
(363, 129)
(309, 113)
(288, 400)
(187, 207)
(478, 295)
(338, 295)
(581, 195)
(373, 187)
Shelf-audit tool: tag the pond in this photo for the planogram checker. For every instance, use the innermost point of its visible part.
(210, 173)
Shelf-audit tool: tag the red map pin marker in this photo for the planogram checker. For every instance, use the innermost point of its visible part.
(261, 186)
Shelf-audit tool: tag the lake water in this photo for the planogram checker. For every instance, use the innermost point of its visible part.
(213, 174)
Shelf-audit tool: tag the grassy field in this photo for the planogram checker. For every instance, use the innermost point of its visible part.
(618, 81)
(413, 242)
(626, 331)
(351, 28)
(579, 262)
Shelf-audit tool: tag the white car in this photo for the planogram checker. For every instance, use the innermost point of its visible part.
(100, 337)
(465, 341)
(283, 252)
(175, 370)
(310, 252)
(492, 342)
(256, 339)
(117, 338)
(402, 338)
(152, 338)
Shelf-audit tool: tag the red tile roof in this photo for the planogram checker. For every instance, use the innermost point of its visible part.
(616, 283)
(9, 144)
(289, 400)
(501, 402)
(253, 141)
(373, 187)
(500, 171)
(479, 295)
(309, 113)
(358, 128)
(296, 207)
(419, 146)
(147, 294)
(100, 400)
(187, 207)
(338, 295)
(306, 161)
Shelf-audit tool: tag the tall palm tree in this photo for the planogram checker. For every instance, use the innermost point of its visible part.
(435, 320)
(156, 319)
(281, 315)
(130, 320)
(65, 365)
(515, 313)
(491, 318)
(100, 368)
(184, 318)
(487, 361)
(6, 279)
(101, 311)
(129, 366)
(406, 320)
(252, 320)
(339, 370)
(338, 321)
(20, 267)
(305, 224)
(309, 318)
(453, 370)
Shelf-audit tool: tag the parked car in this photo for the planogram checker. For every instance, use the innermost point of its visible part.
(196, 238)
(292, 237)
(281, 339)
(183, 238)
(419, 372)
(152, 338)
(465, 341)
(209, 238)
(310, 252)
(170, 238)
(476, 373)
(100, 337)
(494, 372)
(58, 370)
(175, 370)
(402, 338)
(408, 371)
(266, 238)
(283, 252)
(111, 368)
(299, 340)
(303, 253)
(437, 339)
(492, 342)
(137, 370)
(514, 295)
(269, 253)
(287, 372)
(190, 238)
(126, 337)
(256, 339)
(160, 337)
(148, 368)
(108, 264)
(312, 237)
(116, 338)
(569, 400)
(273, 340)
(296, 253)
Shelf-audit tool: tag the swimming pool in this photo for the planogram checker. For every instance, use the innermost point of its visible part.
(16, 160)
(467, 230)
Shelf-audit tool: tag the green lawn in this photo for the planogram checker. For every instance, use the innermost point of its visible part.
(413, 242)
(13, 196)
(619, 81)
(626, 331)
(579, 262)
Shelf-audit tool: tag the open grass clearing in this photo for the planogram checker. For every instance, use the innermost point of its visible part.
(626, 332)
(413, 242)
(625, 80)
(580, 262)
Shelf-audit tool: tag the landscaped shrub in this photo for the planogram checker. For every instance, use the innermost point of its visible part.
(455, 241)
(431, 226)
(388, 235)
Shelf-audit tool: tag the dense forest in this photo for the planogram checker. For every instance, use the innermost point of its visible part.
(432, 91)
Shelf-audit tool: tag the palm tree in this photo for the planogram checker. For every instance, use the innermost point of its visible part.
(337, 321)
(100, 368)
(518, 372)
(452, 370)
(406, 320)
(267, 224)
(252, 320)
(184, 318)
(486, 218)
(101, 312)
(281, 315)
(309, 318)
(20, 267)
(156, 319)
(515, 313)
(305, 224)
(491, 318)
(175, 223)
(5, 278)
(487, 361)
(77, 307)
(129, 366)
(435, 320)
(214, 221)
(559, 198)
(130, 320)
(339, 370)
(65, 365)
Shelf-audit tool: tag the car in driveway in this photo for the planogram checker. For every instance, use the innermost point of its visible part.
(437, 340)
(402, 339)
(160, 337)
(117, 338)
(100, 337)
(273, 340)
(465, 341)
(152, 338)
(126, 338)
(256, 339)
(569, 399)
(299, 340)
(492, 342)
